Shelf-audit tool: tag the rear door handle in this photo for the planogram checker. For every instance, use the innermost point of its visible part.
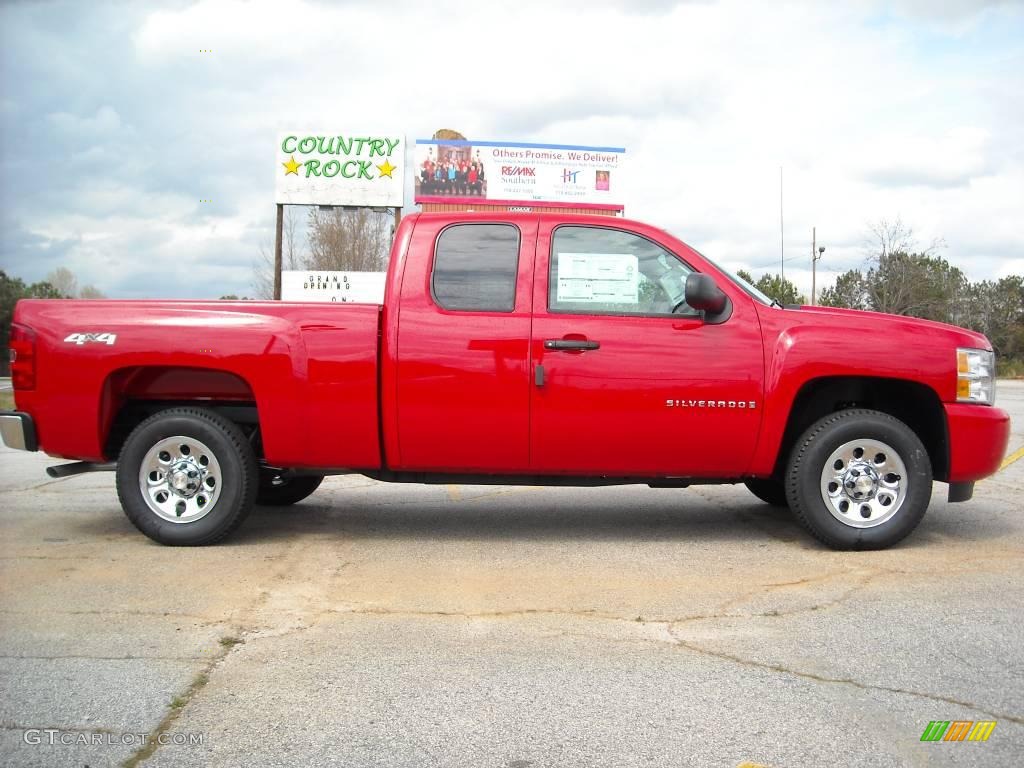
(571, 345)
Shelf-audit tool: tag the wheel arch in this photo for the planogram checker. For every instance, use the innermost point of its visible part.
(132, 394)
(916, 405)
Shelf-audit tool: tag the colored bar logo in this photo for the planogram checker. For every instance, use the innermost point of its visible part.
(958, 730)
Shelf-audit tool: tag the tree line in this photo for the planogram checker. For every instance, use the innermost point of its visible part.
(900, 278)
(897, 276)
(61, 283)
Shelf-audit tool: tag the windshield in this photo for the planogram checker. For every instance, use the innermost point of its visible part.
(746, 286)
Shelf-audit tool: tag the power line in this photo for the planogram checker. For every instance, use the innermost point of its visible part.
(773, 263)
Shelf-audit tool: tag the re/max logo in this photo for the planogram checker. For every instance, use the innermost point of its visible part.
(518, 170)
(958, 730)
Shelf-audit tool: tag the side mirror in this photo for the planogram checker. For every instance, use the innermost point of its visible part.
(702, 294)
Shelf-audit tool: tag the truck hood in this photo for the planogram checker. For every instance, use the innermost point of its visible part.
(879, 321)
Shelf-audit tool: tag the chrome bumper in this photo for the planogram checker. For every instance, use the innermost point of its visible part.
(18, 431)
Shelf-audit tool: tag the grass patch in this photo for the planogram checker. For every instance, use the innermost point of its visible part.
(1009, 369)
(230, 642)
(6, 401)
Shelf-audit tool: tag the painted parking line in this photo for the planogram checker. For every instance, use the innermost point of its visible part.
(1018, 454)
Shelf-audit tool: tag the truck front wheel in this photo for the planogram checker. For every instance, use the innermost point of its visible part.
(859, 479)
(186, 477)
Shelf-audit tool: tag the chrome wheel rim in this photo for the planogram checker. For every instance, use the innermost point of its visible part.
(180, 479)
(864, 483)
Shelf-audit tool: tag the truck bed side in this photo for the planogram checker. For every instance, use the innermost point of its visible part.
(309, 369)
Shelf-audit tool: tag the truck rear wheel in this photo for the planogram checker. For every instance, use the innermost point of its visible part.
(186, 477)
(279, 489)
(859, 479)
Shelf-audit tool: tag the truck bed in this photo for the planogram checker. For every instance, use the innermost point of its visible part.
(310, 370)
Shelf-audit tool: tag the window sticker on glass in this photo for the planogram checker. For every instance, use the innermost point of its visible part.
(606, 278)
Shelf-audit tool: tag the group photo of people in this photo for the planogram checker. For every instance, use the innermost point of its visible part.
(455, 172)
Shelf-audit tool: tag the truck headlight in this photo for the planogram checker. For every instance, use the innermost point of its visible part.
(975, 376)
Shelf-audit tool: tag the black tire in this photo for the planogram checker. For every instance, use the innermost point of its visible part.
(768, 490)
(806, 485)
(236, 482)
(279, 489)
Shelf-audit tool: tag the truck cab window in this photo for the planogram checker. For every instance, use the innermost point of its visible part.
(597, 271)
(475, 267)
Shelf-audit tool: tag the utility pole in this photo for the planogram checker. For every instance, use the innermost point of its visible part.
(277, 251)
(782, 231)
(816, 254)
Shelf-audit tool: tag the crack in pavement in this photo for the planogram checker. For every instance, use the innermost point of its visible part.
(722, 655)
(174, 711)
(673, 638)
(7, 725)
(182, 659)
(97, 612)
(227, 646)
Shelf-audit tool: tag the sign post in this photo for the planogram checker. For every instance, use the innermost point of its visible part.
(277, 251)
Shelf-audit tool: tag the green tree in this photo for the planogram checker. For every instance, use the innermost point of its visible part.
(903, 279)
(996, 308)
(915, 284)
(64, 280)
(848, 292)
(11, 290)
(780, 289)
(91, 292)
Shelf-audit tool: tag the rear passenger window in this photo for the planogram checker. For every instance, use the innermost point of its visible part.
(475, 267)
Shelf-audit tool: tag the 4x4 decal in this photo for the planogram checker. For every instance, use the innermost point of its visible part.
(100, 338)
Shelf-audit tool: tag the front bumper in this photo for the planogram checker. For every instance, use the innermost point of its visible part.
(978, 435)
(18, 431)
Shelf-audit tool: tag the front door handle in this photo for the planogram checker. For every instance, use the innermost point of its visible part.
(571, 345)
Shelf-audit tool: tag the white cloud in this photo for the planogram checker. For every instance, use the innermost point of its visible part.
(874, 110)
(104, 122)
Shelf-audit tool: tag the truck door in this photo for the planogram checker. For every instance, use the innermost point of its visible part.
(462, 377)
(623, 385)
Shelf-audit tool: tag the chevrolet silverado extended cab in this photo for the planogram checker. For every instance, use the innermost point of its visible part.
(511, 348)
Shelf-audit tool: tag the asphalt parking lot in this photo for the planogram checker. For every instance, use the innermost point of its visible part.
(377, 625)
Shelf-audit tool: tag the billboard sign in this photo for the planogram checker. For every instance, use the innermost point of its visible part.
(450, 171)
(331, 168)
(358, 287)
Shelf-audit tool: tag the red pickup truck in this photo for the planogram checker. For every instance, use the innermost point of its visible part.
(511, 348)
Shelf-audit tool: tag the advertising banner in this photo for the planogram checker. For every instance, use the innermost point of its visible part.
(358, 287)
(515, 173)
(330, 168)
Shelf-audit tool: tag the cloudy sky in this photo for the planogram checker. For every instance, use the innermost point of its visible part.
(115, 126)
